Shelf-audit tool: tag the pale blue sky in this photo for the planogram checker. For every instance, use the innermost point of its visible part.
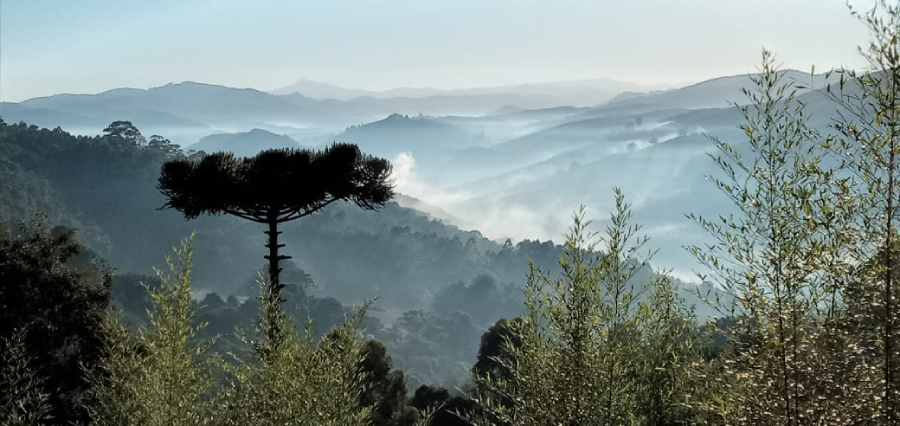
(87, 46)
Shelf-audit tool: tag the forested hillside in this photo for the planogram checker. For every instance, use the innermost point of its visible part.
(106, 187)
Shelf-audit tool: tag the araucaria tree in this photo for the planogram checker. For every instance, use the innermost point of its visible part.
(276, 186)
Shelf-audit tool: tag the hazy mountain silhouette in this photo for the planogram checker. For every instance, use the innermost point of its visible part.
(193, 100)
(244, 144)
(714, 93)
(508, 109)
(402, 133)
(577, 93)
(493, 158)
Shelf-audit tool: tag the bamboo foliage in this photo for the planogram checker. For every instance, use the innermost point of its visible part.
(161, 376)
(782, 254)
(600, 345)
(296, 381)
(868, 143)
(164, 376)
(23, 400)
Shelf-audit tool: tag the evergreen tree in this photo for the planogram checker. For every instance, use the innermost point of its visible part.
(384, 387)
(53, 296)
(274, 187)
(126, 131)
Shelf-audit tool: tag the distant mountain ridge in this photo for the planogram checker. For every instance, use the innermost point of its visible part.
(244, 144)
(713, 93)
(186, 112)
(572, 93)
(491, 159)
(400, 133)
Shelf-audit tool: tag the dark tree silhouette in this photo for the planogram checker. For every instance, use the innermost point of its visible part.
(125, 130)
(444, 405)
(54, 292)
(164, 146)
(384, 387)
(495, 347)
(275, 186)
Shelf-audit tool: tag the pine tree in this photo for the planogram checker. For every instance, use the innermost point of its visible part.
(274, 187)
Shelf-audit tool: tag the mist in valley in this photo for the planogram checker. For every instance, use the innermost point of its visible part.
(474, 174)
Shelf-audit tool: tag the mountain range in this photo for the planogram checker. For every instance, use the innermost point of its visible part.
(576, 93)
(512, 161)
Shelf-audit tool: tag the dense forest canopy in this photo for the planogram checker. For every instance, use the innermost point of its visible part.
(418, 268)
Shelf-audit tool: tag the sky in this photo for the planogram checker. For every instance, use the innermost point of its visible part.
(88, 46)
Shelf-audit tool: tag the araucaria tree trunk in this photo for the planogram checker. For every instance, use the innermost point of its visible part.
(274, 285)
(275, 186)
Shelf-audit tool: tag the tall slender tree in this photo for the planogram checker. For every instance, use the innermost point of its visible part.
(274, 187)
(869, 144)
(160, 375)
(776, 254)
(581, 354)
